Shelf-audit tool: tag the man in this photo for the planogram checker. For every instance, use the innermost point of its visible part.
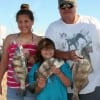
(75, 32)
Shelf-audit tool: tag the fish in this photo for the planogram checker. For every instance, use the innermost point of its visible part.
(44, 70)
(81, 69)
(19, 64)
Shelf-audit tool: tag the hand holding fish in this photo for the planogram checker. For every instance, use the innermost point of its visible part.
(26, 52)
(74, 56)
(55, 70)
(30, 58)
(41, 82)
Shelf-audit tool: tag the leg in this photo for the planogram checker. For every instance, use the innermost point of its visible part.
(90, 96)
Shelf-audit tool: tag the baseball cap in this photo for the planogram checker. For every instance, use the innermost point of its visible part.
(66, 3)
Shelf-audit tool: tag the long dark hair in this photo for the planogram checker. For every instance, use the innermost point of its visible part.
(44, 43)
(24, 10)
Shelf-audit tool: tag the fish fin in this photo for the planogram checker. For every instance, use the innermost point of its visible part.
(16, 78)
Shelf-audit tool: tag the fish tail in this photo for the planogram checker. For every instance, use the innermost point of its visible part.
(75, 97)
(22, 84)
(22, 88)
(21, 92)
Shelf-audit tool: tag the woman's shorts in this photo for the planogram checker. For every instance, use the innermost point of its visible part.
(13, 94)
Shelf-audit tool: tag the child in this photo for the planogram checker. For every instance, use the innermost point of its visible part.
(55, 87)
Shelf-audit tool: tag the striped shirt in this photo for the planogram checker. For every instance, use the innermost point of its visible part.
(11, 81)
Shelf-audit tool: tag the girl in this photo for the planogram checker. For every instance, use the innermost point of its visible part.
(28, 40)
(55, 87)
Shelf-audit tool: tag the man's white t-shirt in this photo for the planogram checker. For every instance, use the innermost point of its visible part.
(84, 33)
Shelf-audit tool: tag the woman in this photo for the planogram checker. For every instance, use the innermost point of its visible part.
(28, 41)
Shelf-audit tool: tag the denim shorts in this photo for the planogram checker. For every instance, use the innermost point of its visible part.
(12, 94)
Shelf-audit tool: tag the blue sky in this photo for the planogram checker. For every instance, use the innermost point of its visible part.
(45, 11)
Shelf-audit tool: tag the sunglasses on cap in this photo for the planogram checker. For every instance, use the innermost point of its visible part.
(68, 5)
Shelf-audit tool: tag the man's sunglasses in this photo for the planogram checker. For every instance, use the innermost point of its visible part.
(66, 5)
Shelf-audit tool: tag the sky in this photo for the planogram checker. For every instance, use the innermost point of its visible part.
(45, 12)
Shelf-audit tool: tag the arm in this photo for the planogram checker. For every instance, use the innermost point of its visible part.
(67, 55)
(40, 85)
(31, 79)
(63, 55)
(62, 77)
(31, 75)
(4, 60)
(64, 73)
